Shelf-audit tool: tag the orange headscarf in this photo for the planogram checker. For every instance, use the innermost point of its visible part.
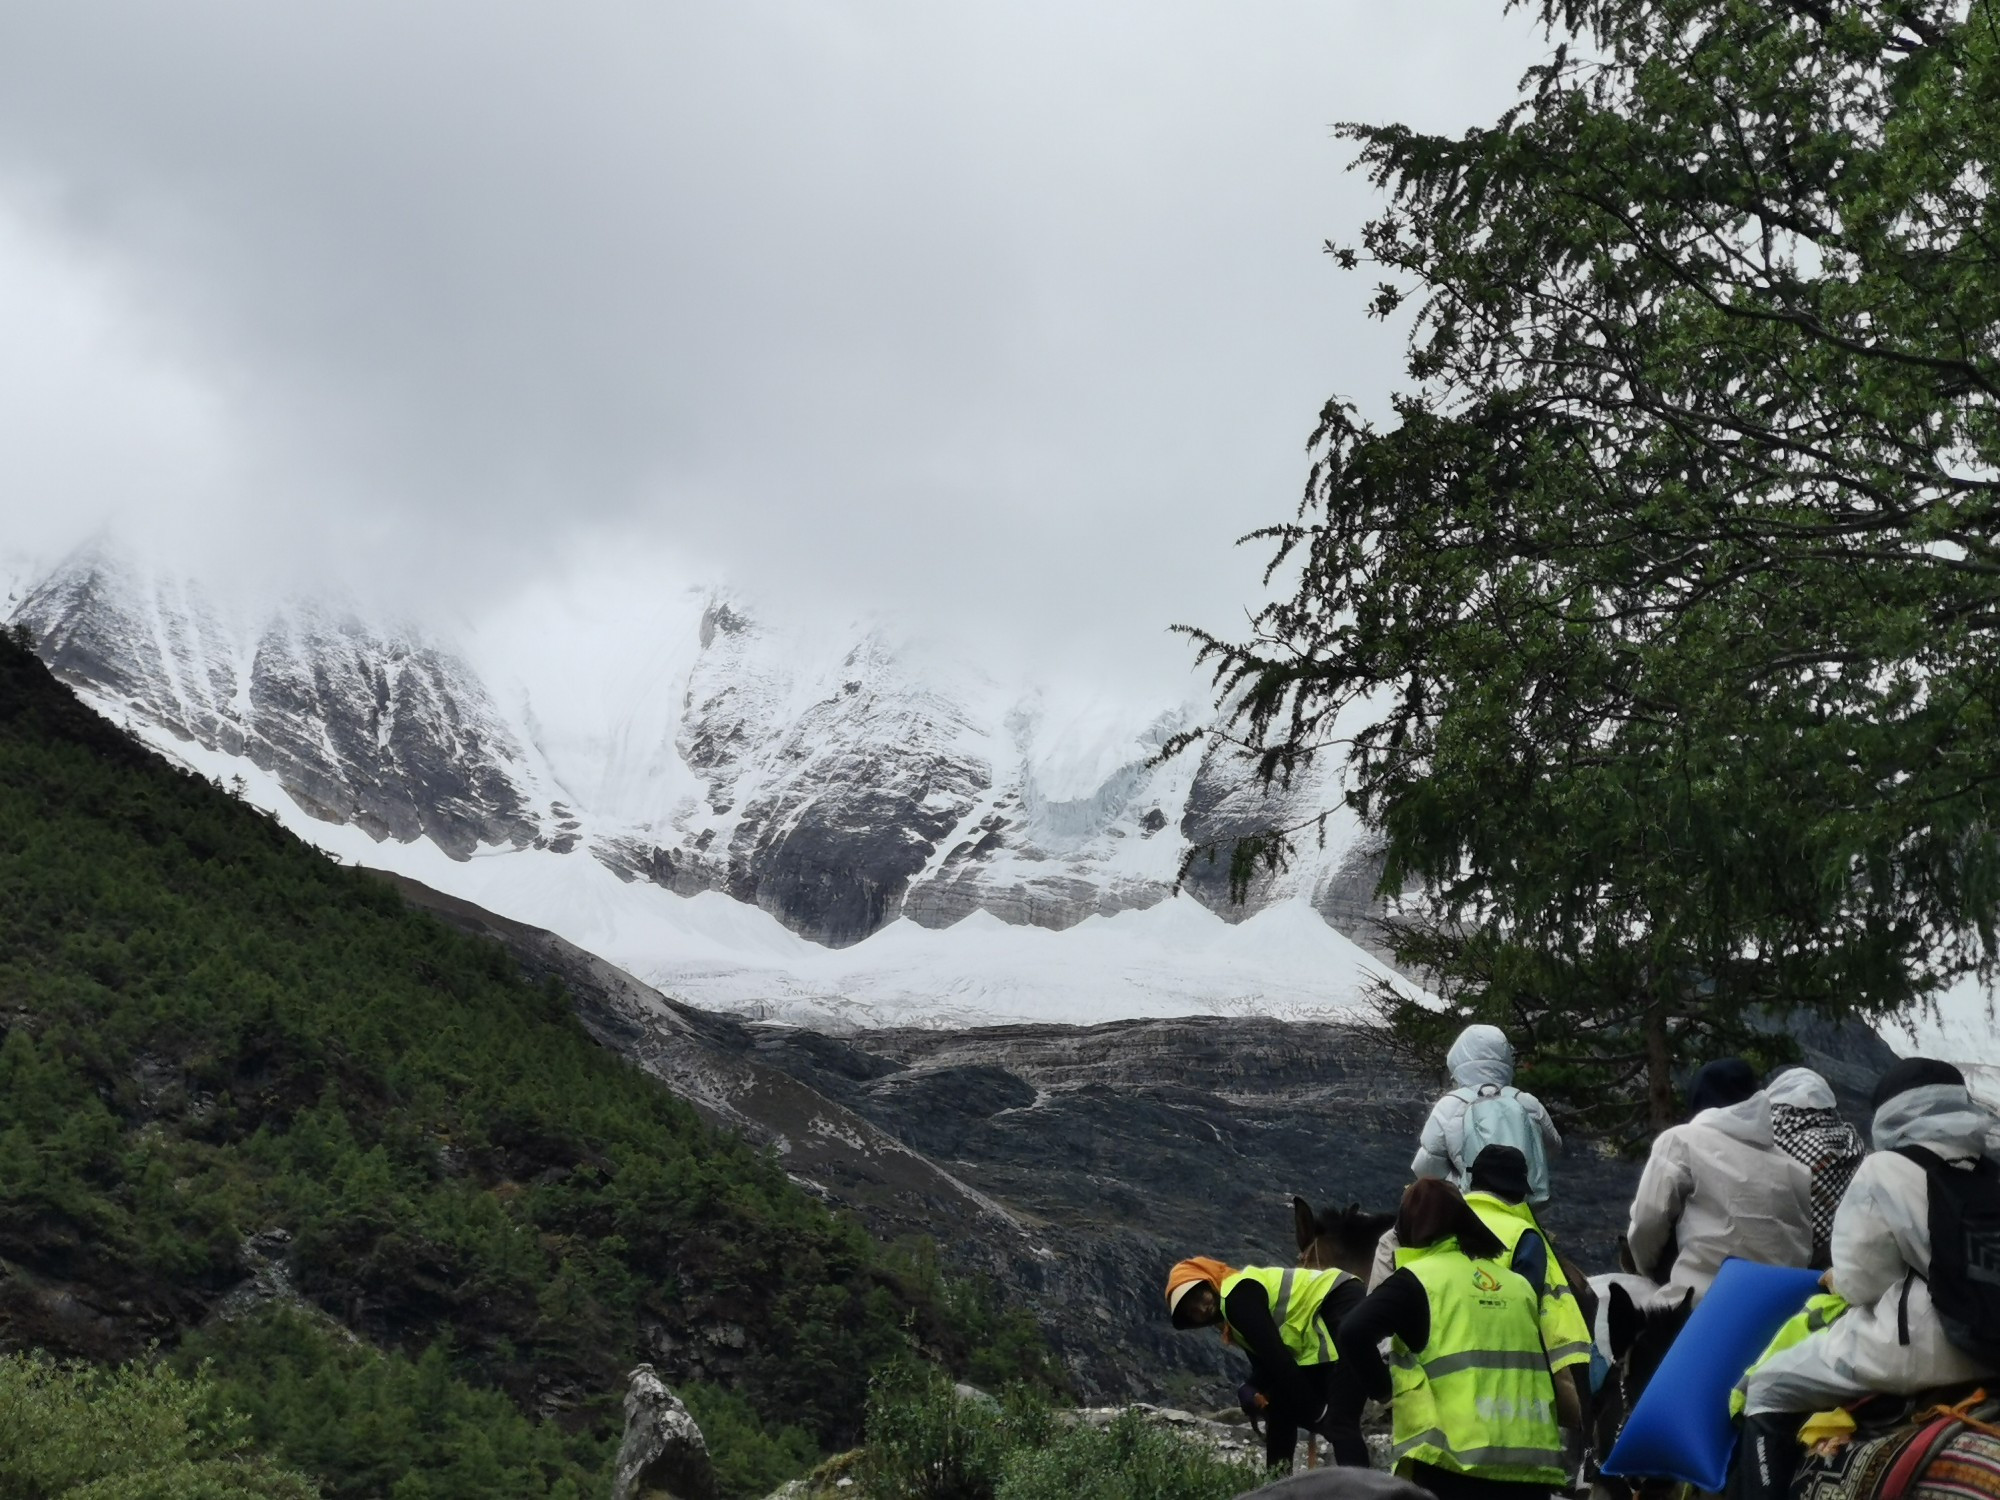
(1198, 1268)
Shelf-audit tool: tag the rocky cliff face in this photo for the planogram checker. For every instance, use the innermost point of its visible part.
(836, 779)
(360, 724)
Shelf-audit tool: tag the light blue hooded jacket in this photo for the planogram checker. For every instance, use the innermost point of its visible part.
(1481, 1055)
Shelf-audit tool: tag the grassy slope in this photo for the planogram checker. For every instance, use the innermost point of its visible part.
(212, 1031)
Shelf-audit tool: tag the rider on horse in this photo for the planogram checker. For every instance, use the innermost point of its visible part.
(1719, 1186)
(1892, 1338)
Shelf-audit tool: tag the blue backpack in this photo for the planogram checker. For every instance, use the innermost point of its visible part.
(1495, 1116)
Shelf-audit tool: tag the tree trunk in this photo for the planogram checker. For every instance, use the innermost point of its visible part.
(1660, 1101)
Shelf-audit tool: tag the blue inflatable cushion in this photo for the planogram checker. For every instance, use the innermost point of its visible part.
(1681, 1428)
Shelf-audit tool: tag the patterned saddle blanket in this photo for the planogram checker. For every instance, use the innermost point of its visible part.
(1937, 1454)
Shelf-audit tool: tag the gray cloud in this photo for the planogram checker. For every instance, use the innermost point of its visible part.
(1013, 312)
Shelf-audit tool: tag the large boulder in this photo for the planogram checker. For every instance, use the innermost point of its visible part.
(663, 1455)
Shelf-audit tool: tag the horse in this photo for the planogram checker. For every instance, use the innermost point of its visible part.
(1634, 1327)
(1911, 1448)
(1338, 1239)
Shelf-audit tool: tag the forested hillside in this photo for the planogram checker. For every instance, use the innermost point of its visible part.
(213, 1033)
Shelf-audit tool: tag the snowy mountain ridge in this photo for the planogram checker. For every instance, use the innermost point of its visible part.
(729, 804)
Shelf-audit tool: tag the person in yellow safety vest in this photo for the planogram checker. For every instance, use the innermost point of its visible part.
(1499, 1195)
(1477, 1413)
(1284, 1318)
(1820, 1310)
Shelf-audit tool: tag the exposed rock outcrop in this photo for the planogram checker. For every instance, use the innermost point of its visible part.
(663, 1455)
(358, 723)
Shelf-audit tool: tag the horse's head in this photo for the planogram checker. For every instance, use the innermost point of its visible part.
(1635, 1327)
(1338, 1238)
(1640, 1329)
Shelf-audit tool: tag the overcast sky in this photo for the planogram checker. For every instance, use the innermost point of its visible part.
(1009, 315)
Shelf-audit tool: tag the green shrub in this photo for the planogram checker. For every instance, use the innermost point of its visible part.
(1128, 1461)
(927, 1442)
(140, 1431)
(751, 1459)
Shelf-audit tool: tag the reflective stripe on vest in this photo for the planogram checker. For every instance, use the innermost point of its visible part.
(1821, 1310)
(1538, 1459)
(1478, 1398)
(1564, 1333)
(1295, 1295)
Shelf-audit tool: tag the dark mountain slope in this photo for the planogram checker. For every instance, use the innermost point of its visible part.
(212, 1033)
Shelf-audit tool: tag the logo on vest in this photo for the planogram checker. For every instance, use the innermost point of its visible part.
(1485, 1280)
(1504, 1409)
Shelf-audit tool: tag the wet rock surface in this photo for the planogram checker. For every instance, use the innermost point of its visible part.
(1125, 1147)
(1075, 1164)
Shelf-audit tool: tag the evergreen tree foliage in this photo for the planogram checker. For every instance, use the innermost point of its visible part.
(387, 1423)
(752, 1457)
(1657, 624)
(211, 1032)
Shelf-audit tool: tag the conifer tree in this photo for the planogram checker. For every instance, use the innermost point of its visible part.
(1657, 626)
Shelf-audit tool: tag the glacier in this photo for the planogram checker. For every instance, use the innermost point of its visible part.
(1173, 958)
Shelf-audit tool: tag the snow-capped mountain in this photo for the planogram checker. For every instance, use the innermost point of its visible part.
(360, 724)
(842, 781)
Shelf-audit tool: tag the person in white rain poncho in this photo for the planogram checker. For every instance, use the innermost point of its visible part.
(1719, 1186)
(1483, 1109)
(1482, 1068)
(1891, 1338)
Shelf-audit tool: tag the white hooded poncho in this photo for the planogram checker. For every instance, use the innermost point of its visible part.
(1719, 1186)
(1881, 1235)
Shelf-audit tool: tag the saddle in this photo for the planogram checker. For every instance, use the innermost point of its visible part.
(1938, 1446)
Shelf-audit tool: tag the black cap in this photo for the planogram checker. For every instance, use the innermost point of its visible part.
(1501, 1171)
(1913, 1073)
(1727, 1080)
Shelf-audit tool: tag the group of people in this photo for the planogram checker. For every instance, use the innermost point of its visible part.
(1468, 1324)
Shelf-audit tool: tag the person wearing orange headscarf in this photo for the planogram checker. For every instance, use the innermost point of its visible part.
(1284, 1318)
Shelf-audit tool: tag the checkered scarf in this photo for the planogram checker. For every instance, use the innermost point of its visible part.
(1830, 1149)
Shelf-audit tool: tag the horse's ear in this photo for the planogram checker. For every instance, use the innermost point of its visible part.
(1303, 1224)
(1623, 1321)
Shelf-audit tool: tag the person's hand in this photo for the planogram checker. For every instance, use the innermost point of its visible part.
(1826, 1280)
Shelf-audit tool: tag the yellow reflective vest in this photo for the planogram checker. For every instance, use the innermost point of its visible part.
(1478, 1398)
(1295, 1295)
(1820, 1309)
(1564, 1334)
